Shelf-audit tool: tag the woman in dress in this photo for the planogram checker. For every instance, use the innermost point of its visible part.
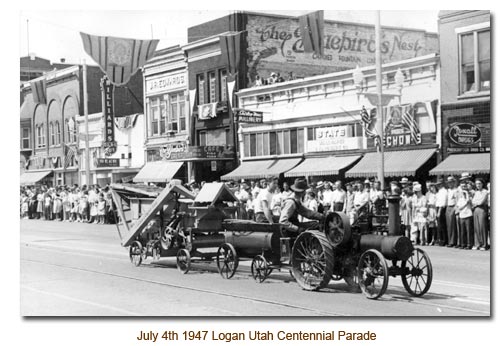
(432, 215)
(406, 210)
(419, 216)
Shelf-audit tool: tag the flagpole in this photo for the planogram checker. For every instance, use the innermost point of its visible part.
(380, 120)
(86, 114)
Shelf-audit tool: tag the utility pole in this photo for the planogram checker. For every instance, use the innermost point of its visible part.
(86, 114)
(380, 115)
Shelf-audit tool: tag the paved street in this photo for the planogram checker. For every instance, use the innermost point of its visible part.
(80, 269)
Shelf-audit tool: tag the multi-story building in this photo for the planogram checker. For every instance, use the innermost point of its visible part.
(167, 121)
(312, 127)
(271, 44)
(49, 131)
(464, 41)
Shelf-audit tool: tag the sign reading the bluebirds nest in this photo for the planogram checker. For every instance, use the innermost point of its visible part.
(109, 144)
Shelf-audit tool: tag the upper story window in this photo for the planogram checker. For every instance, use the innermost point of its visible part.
(40, 136)
(25, 138)
(200, 82)
(274, 143)
(212, 85)
(223, 84)
(167, 114)
(474, 47)
(52, 134)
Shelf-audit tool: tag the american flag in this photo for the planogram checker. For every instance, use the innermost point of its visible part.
(70, 155)
(368, 122)
(119, 58)
(408, 118)
(311, 30)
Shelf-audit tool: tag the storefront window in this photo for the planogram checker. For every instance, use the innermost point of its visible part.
(475, 68)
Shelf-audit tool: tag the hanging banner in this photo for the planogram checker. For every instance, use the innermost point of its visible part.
(207, 111)
(192, 100)
(109, 145)
(231, 83)
(119, 58)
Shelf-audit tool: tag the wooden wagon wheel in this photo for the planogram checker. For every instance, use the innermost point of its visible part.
(135, 253)
(183, 261)
(227, 260)
(312, 260)
(416, 273)
(373, 274)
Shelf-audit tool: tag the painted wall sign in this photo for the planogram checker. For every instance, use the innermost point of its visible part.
(246, 116)
(166, 83)
(107, 89)
(275, 45)
(464, 134)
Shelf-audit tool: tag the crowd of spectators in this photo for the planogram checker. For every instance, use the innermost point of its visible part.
(89, 204)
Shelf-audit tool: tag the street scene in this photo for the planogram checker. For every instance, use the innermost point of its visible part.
(342, 157)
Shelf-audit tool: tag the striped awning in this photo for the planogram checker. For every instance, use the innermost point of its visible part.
(157, 172)
(29, 178)
(261, 169)
(458, 163)
(319, 166)
(396, 163)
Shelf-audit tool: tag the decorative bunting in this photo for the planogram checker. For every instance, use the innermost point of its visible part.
(39, 90)
(230, 45)
(119, 58)
(311, 28)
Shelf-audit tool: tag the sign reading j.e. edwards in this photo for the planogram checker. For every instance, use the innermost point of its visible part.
(165, 83)
(464, 134)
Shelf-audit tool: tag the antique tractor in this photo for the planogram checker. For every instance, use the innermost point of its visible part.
(358, 253)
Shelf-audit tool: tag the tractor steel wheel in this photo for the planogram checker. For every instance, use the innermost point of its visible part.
(373, 274)
(183, 261)
(135, 253)
(260, 268)
(312, 260)
(227, 260)
(417, 273)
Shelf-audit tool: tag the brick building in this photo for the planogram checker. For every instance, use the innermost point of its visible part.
(464, 39)
(272, 44)
(47, 130)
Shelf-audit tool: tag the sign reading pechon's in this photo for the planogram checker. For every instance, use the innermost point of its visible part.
(464, 134)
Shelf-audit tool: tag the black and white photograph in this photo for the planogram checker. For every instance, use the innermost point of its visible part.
(222, 163)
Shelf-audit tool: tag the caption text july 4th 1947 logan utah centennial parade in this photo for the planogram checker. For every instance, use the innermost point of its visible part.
(255, 335)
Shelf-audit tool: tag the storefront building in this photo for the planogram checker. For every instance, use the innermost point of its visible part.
(49, 143)
(166, 127)
(271, 45)
(312, 127)
(465, 92)
(122, 165)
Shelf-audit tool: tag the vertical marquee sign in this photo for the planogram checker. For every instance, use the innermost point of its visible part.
(109, 145)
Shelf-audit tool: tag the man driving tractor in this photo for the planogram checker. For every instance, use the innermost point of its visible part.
(292, 208)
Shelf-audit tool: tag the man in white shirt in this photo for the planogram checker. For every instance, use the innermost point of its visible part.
(361, 199)
(441, 203)
(263, 213)
(451, 219)
(338, 198)
(327, 196)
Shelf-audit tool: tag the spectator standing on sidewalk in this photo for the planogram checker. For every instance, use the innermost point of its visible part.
(451, 222)
(432, 214)
(464, 207)
(480, 207)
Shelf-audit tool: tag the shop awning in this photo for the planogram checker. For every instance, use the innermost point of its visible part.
(396, 163)
(459, 163)
(28, 178)
(157, 172)
(261, 169)
(318, 166)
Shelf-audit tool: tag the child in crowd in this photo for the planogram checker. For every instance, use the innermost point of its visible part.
(83, 207)
(101, 209)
